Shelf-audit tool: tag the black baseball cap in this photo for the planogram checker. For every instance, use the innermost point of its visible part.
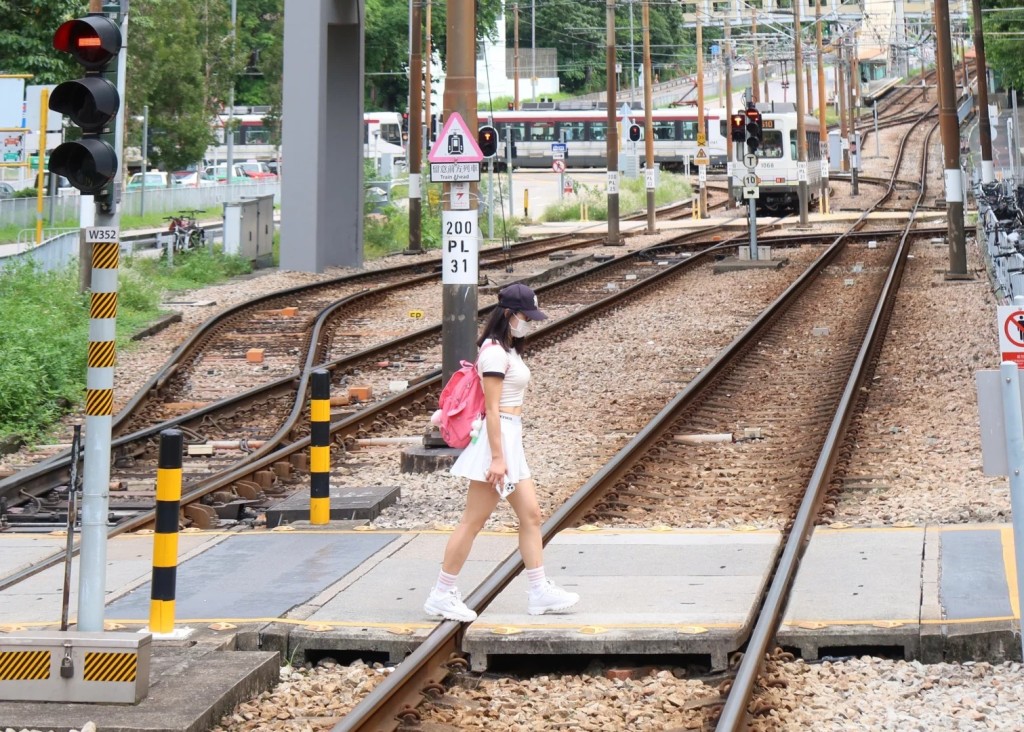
(521, 299)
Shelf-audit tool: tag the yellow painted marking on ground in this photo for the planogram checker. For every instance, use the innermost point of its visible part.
(966, 621)
(610, 627)
(1010, 567)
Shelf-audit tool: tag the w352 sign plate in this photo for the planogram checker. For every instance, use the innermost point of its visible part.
(102, 235)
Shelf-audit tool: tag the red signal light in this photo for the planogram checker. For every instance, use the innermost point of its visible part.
(92, 41)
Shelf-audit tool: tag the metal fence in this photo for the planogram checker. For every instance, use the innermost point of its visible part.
(21, 212)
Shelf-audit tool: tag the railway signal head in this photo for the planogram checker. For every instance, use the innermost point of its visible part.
(487, 138)
(92, 103)
(634, 133)
(753, 129)
(737, 126)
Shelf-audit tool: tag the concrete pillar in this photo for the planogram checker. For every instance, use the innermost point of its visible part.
(322, 136)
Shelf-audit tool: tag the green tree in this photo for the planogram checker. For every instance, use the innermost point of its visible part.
(167, 70)
(1001, 52)
(26, 39)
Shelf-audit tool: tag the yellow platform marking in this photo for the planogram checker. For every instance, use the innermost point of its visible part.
(1010, 567)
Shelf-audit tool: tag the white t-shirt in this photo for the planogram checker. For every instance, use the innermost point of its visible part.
(496, 361)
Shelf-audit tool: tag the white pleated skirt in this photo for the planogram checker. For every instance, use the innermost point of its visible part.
(475, 460)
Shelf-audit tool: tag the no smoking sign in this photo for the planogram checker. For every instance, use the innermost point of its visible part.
(1011, 334)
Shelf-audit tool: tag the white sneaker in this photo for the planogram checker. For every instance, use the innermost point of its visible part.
(550, 596)
(448, 605)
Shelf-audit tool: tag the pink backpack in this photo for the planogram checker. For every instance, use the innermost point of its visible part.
(461, 406)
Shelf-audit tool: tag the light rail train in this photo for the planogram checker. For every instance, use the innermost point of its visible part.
(778, 169)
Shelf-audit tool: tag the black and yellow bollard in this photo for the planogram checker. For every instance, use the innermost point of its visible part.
(320, 449)
(165, 541)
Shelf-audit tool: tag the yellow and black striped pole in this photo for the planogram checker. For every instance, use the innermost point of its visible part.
(165, 541)
(99, 409)
(319, 449)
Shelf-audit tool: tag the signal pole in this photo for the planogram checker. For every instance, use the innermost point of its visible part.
(801, 132)
(988, 174)
(92, 165)
(428, 59)
(459, 299)
(415, 125)
(649, 171)
(853, 76)
(949, 129)
(612, 140)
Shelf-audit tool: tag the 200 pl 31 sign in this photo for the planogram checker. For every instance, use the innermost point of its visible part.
(460, 241)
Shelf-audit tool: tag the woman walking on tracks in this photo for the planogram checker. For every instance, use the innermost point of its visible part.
(495, 463)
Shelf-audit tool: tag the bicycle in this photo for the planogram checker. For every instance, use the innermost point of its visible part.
(187, 233)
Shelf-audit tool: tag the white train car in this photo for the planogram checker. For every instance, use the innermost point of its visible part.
(777, 167)
(585, 134)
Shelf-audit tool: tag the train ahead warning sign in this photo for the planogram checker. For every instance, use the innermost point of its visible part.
(1011, 334)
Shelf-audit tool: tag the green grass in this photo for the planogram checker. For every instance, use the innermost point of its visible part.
(632, 198)
(45, 322)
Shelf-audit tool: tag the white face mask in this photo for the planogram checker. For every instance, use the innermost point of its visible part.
(518, 328)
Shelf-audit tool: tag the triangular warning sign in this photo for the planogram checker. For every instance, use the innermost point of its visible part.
(455, 144)
(701, 153)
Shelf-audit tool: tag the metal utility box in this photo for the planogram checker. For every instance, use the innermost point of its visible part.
(103, 668)
(249, 228)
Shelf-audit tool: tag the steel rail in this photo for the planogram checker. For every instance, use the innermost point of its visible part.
(735, 714)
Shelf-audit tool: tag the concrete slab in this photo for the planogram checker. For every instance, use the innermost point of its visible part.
(257, 575)
(735, 264)
(675, 592)
(36, 602)
(347, 503)
(857, 588)
(191, 688)
(18, 551)
(378, 607)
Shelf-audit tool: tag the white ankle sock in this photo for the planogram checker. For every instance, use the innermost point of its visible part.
(445, 582)
(536, 577)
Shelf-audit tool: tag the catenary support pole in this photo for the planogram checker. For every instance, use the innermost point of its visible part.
(730, 148)
(229, 133)
(515, 61)
(844, 131)
(801, 127)
(415, 126)
(428, 60)
(852, 77)
(612, 139)
(823, 206)
(702, 198)
(988, 171)
(459, 292)
(649, 175)
(949, 129)
(755, 93)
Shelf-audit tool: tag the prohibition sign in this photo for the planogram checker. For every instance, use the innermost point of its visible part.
(558, 166)
(1013, 328)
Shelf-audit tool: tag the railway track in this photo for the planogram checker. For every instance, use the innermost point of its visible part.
(635, 485)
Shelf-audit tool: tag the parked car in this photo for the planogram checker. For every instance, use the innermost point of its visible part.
(219, 174)
(150, 179)
(6, 190)
(191, 179)
(254, 169)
